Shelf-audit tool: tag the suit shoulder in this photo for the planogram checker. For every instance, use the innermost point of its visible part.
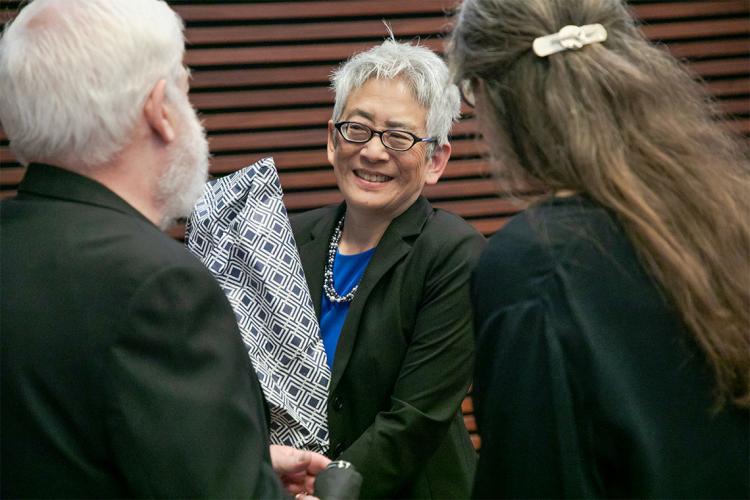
(137, 250)
(554, 229)
(537, 242)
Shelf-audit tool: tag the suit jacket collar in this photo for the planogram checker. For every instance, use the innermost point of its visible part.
(54, 182)
(393, 246)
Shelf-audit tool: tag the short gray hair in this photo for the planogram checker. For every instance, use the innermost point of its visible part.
(74, 75)
(424, 71)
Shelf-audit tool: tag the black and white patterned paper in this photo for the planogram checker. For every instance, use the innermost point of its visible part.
(240, 230)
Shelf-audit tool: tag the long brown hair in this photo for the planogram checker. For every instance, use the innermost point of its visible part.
(622, 122)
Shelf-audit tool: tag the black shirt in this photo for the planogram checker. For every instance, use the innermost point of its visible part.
(587, 382)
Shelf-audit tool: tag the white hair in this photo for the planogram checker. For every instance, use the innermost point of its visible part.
(424, 71)
(75, 74)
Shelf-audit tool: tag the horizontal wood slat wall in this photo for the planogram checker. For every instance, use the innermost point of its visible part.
(260, 80)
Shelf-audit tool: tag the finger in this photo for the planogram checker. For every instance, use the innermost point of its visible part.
(309, 483)
(317, 463)
(285, 459)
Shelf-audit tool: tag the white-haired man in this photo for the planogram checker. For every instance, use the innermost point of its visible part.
(123, 372)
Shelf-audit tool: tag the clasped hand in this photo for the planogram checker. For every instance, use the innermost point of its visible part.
(297, 469)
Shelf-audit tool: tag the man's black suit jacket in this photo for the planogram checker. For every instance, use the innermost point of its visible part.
(123, 372)
(404, 359)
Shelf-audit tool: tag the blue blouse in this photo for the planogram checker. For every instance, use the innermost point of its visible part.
(347, 271)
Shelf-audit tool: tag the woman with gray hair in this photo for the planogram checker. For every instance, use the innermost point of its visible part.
(389, 277)
(613, 317)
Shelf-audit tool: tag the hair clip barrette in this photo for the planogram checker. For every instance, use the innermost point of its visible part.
(569, 38)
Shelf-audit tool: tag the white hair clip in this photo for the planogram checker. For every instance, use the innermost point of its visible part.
(569, 37)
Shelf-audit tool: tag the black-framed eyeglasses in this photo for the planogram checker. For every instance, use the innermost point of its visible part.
(466, 86)
(397, 140)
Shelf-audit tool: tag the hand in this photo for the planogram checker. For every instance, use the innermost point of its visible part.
(297, 468)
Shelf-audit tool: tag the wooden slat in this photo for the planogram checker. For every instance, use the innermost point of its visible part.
(657, 10)
(268, 119)
(206, 78)
(481, 207)
(736, 105)
(729, 87)
(291, 10)
(260, 140)
(283, 159)
(721, 67)
(470, 423)
(284, 54)
(467, 406)
(262, 98)
(270, 33)
(466, 168)
(306, 200)
(711, 48)
(464, 187)
(6, 156)
(697, 29)
(476, 441)
(11, 176)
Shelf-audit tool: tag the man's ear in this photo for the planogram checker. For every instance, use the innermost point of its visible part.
(156, 113)
(331, 141)
(437, 162)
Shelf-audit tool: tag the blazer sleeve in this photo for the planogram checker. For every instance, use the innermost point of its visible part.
(433, 379)
(534, 443)
(186, 412)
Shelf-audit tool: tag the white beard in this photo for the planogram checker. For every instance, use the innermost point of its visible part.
(182, 182)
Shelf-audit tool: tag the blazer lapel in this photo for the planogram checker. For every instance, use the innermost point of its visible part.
(314, 252)
(394, 245)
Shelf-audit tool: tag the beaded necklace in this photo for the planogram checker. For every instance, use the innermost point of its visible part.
(333, 247)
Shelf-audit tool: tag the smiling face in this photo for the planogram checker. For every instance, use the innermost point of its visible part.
(376, 181)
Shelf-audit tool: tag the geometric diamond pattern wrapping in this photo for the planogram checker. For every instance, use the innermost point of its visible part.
(240, 230)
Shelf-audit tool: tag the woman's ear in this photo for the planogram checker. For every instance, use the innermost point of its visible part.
(331, 141)
(437, 162)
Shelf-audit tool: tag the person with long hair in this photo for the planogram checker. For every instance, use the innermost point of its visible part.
(613, 316)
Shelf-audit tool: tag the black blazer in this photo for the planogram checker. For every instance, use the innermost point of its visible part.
(403, 362)
(588, 384)
(123, 372)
